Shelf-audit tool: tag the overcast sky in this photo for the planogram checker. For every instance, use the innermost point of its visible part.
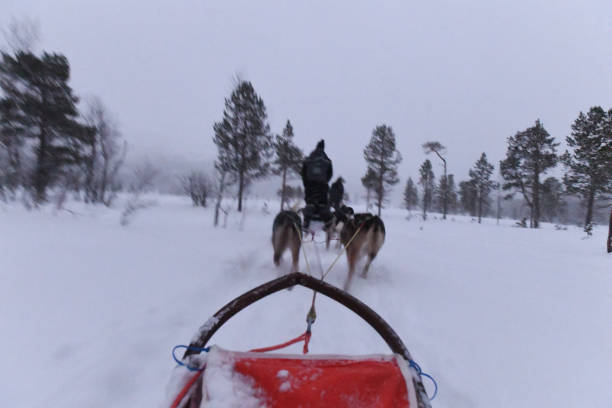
(466, 73)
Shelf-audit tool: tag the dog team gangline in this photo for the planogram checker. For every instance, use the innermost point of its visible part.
(325, 381)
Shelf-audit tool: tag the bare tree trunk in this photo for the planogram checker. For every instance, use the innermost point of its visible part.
(590, 203)
(42, 169)
(283, 189)
(479, 207)
(104, 180)
(217, 207)
(445, 195)
(14, 161)
(240, 191)
(536, 197)
(498, 216)
(90, 189)
(111, 176)
(380, 191)
(610, 234)
(221, 188)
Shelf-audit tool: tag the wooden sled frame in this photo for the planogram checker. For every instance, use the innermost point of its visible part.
(358, 307)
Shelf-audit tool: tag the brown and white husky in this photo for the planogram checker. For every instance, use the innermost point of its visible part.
(287, 233)
(370, 237)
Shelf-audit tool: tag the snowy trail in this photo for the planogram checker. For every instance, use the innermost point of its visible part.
(502, 317)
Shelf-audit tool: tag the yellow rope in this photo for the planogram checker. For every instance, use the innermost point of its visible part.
(312, 315)
(344, 247)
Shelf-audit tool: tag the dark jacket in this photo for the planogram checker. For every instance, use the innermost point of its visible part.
(336, 193)
(316, 172)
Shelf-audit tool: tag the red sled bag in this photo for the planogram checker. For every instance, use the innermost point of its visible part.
(245, 379)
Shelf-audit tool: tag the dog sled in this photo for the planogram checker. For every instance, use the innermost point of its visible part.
(212, 376)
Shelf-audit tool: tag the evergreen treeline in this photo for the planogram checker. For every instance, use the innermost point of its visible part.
(49, 141)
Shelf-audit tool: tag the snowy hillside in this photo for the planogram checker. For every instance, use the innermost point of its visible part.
(501, 316)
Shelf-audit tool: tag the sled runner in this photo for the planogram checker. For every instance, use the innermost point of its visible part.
(258, 379)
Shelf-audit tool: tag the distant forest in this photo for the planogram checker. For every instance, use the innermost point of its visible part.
(52, 144)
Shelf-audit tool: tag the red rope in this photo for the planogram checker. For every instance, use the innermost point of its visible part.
(306, 341)
(305, 336)
(186, 388)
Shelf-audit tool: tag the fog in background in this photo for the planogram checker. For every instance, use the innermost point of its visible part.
(468, 74)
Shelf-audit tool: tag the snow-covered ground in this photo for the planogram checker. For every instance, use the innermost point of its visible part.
(501, 316)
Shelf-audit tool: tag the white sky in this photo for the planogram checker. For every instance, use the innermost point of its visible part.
(467, 73)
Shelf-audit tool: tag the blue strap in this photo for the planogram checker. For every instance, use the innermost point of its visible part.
(187, 366)
(417, 367)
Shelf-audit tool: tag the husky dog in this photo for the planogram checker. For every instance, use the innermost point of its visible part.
(341, 215)
(370, 237)
(287, 233)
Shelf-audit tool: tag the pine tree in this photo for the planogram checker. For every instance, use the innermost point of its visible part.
(427, 182)
(439, 150)
(498, 213)
(288, 159)
(368, 181)
(589, 161)
(468, 197)
(38, 86)
(552, 199)
(480, 178)
(221, 182)
(382, 157)
(530, 154)
(411, 195)
(11, 145)
(243, 137)
(441, 195)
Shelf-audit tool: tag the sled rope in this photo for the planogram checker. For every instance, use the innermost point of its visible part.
(299, 234)
(186, 388)
(194, 378)
(312, 313)
(302, 337)
(344, 247)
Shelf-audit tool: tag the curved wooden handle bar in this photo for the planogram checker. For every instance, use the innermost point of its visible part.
(358, 307)
(370, 316)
